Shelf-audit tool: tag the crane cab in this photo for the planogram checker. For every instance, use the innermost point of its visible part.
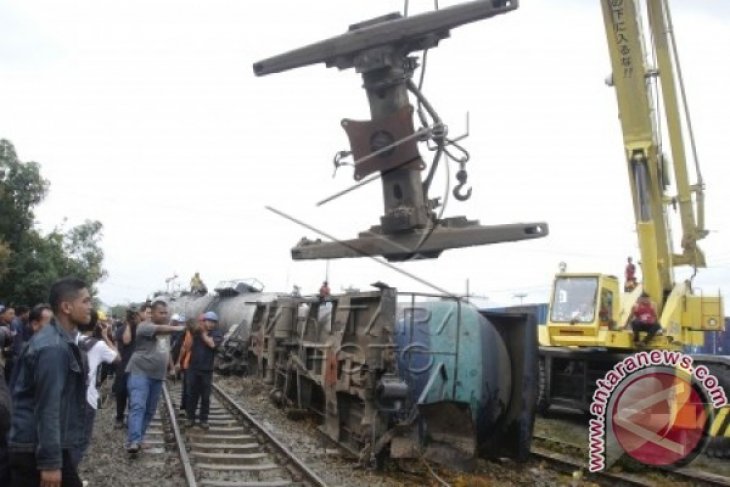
(585, 310)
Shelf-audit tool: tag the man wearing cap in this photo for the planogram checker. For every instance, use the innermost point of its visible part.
(206, 339)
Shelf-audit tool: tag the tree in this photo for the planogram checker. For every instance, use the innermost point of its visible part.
(81, 244)
(5, 254)
(119, 311)
(21, 189)
(30, 261)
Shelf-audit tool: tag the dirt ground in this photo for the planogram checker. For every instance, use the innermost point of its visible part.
(107, 463)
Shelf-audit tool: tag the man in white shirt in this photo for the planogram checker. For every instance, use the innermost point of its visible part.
(99, 349)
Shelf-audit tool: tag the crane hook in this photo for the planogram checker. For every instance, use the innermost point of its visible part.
(458, 195)
(461, 177)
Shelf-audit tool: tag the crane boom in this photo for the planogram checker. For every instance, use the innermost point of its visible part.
(634, 82)
(671, 77)
(587, 309)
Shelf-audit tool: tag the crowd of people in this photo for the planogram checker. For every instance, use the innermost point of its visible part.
(55, 359)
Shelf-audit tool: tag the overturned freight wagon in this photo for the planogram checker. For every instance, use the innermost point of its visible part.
(236, 302)
(402, 375)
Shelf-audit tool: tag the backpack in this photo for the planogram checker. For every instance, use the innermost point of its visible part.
(85, 345)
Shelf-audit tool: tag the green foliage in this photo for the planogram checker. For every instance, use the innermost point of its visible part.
(119, 311)
(21, 188)
(30, 261)
(81, 246)
(5, 254)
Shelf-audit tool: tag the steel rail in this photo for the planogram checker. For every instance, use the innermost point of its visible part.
(312, 477)
(568, 464)
(683, 473)
(179, 439)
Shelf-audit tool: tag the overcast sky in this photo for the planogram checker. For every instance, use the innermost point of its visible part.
(146, 115)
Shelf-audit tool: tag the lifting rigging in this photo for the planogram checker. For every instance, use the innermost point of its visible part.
(387, 145)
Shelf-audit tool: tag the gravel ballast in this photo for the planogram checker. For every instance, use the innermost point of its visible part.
(108, 464)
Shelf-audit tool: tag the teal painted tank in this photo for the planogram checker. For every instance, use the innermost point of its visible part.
(471, 374)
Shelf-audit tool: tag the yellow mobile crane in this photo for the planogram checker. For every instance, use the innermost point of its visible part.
(586, 331)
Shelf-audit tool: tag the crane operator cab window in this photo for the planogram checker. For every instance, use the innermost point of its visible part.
(574, 300)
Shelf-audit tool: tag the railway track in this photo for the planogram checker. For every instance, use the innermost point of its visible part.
(576, 461)
(237, 451)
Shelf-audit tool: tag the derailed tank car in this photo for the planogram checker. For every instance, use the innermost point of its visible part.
(402, 375)
(235, 302)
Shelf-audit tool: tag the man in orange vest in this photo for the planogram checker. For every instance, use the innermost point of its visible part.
(183, 359)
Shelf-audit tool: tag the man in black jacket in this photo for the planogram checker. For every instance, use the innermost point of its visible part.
(49, 397)
(207, 338)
